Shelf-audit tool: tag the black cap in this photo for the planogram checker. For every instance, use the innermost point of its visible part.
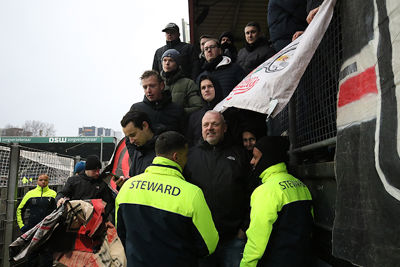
(171, 26)
(92, 163)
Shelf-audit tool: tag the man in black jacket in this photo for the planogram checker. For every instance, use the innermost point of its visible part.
(256, 50)
(157, 104)
(220, 67)
(139, 140)
(87, 185)
(174, 42)
(222, 172)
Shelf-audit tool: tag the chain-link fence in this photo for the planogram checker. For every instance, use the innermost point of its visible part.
(314, 101)
(29, 163)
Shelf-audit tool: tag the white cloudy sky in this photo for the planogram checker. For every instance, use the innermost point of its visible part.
(77, 63)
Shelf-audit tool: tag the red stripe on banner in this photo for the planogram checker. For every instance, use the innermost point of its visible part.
(118, 154)
(356, 87)
(125, 164)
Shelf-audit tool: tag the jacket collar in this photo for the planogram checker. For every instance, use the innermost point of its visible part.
(172, 44)
(277, 168)
(168, 167)
(261, 41)
(225, 61)
(45, 189)
(148, 146)
(206, 145)
(172, 77)
(165, 100)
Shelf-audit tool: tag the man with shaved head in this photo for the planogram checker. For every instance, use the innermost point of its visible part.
(220, 169)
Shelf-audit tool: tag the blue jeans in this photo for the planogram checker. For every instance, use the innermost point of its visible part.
(228, 254)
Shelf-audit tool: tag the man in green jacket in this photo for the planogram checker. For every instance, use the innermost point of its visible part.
(163, 220)
(281, 212)
(183, 90)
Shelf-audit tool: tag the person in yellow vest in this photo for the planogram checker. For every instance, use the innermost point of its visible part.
(281, 217)
(25, 180)
(163, 220)
(39, 201)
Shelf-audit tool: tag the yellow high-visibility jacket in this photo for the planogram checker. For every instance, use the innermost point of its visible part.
(281, 221)
(163, 220)
(40, 202)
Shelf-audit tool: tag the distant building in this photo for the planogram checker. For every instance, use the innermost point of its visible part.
(98, 131)
(14, 132)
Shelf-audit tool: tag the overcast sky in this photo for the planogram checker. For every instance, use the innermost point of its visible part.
(77, 63)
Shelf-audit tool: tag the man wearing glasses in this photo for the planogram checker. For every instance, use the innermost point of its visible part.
(220, 67)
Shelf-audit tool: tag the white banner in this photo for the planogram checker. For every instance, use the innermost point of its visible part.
(269, 87)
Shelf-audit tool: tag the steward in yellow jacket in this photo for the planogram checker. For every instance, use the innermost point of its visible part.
(39, 201)
(281, 211)
(163, 220)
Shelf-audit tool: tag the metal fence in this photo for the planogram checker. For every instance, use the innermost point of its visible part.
(312, 109)
(19, 170)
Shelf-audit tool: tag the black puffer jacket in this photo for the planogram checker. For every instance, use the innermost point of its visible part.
(223, 174)
(285, 17)
(164, 115)
(225, 73)
(141, 157)
(186, 56)
(252, 55)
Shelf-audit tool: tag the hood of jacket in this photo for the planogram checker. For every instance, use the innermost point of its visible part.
(217, 98)
(224, 62)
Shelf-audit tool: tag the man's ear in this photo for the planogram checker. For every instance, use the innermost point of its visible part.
(162, 85)
(145, 125)
(175, 156)
(225, 127)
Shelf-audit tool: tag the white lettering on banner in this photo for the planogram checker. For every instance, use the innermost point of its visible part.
(57, 140)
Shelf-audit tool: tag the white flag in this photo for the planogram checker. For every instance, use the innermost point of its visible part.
(269, 87)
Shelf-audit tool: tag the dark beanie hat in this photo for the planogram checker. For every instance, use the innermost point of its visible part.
(171, 53)
(92, 163)
(226, 34)
(274, 150)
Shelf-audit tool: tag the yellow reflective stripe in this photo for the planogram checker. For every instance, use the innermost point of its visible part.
(203, 221)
